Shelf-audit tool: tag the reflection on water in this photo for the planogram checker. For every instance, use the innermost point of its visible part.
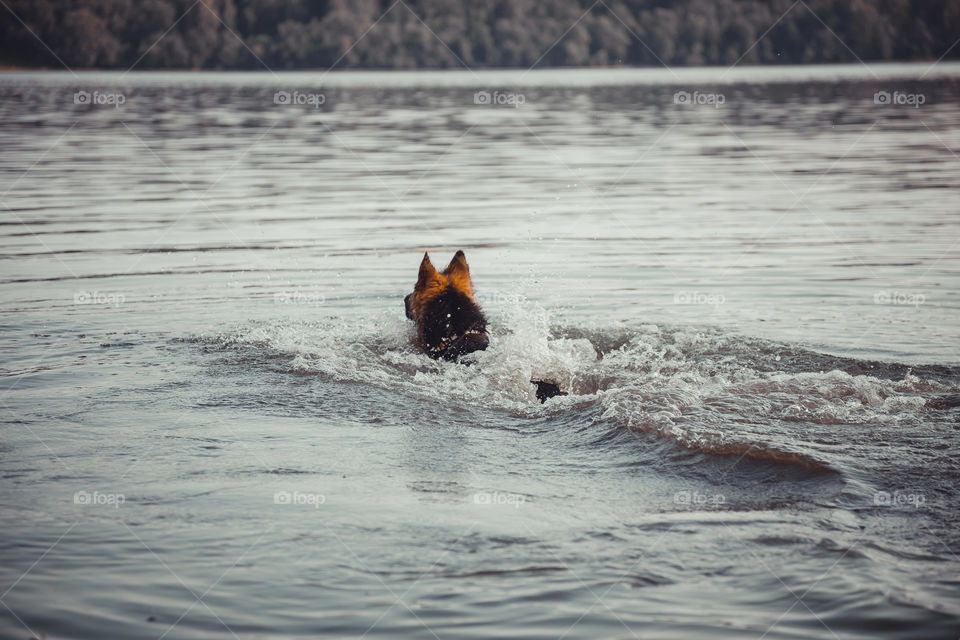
(807, 210)
(749, 287)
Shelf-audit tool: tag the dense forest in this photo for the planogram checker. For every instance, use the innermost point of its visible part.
(401, 34)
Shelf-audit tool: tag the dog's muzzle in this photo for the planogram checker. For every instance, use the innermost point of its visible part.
(458, 345)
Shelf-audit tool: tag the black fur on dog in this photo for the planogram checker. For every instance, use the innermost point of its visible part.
(449, 322)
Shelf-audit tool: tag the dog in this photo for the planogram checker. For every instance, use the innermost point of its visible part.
(449, 322)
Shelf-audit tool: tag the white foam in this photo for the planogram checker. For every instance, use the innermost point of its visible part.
(700, 387)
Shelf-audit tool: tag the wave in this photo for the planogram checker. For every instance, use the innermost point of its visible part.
(705, 389)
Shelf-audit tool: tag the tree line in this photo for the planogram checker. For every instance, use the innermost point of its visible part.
(412, 34)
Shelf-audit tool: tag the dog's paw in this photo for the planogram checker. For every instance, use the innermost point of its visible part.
(546, 390)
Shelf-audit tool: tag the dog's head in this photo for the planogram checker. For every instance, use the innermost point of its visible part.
(449, 322)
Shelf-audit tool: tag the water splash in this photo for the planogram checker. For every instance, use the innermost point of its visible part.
(705, 389)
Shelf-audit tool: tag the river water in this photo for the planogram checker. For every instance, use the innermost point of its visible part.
(215, 423)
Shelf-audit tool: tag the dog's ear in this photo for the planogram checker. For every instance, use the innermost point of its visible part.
(428, 278)
(459, 273)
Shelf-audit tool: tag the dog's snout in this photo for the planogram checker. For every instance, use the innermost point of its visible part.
(475, 342)
(466, 344)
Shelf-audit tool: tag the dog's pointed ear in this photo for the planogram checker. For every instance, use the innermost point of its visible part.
(458, 265)
(428, 278)
(459, 273)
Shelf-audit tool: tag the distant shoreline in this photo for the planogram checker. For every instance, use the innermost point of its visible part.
(19, 68)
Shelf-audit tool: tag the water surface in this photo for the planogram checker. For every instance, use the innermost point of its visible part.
(215, 423)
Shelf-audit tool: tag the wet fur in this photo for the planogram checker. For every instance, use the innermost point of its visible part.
(449, 322)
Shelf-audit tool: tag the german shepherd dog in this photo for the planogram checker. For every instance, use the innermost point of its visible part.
(449, 322)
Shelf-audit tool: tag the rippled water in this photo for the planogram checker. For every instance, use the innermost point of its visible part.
(215, 424)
